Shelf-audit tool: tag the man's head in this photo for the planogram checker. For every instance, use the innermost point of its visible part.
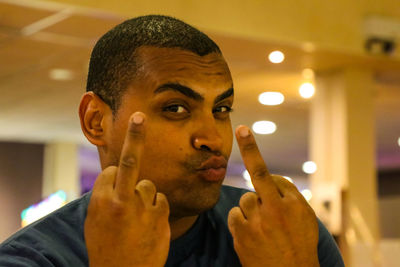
(115, 60)
(178, 78)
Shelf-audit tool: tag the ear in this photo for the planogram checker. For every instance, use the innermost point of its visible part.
(95, 117)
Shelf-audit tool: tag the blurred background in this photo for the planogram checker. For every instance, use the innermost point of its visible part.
(319, 82)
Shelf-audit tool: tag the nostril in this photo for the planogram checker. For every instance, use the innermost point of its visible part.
(204, 147)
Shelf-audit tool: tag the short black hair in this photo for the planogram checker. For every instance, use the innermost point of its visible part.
(113, 62)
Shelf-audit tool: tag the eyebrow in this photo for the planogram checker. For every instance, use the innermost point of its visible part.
(224, 95)
(181, 89)
(190, 92)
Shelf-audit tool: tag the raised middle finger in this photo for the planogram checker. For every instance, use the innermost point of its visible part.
(252, 159)
(129, 163)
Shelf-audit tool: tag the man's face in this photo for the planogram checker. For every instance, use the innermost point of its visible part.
(186, 99)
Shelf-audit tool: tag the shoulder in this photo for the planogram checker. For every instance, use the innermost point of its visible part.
(56, 237)
(328, 251)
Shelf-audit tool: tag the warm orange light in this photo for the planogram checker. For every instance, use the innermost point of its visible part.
(276, 57)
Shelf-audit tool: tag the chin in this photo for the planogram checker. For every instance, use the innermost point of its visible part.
(194, 201)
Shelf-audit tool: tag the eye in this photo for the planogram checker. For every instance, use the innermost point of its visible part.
(222, 112)
(223, 109)
(176, 109)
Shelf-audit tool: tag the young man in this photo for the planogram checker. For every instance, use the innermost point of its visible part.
(157, 106)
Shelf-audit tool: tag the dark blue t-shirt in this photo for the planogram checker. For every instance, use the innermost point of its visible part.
(58, 240)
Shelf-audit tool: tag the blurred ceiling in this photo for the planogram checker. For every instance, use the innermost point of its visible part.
(37, 37)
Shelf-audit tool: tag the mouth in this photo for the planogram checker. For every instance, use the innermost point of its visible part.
(212, 175)
(213, 169)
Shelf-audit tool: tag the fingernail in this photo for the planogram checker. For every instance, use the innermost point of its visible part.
(244, 132)
(137, 118)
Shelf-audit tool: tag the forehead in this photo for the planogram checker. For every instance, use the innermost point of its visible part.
(162, 65)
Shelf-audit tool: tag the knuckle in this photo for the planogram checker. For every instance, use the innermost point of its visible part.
(251, 146)
(161, 198)
(162, 205)
(234, 215)
(248, 200)
(260, 172)
(280, 179)
(129, 161)
(146, 186)
(117, 207)
(98, 200)
(135, 134)
(105, 174)
(235, 222)
(110, 170)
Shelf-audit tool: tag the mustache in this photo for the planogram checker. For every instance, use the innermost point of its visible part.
(195, 161)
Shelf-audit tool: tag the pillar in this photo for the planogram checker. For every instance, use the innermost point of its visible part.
(60, 170)
(342, 144)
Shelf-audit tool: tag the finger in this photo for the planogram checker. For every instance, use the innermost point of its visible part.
(249, 204)
(104, 183)
(147, 192)
(288, 190)
(128, 169)
(260, 177)
(285, 187)
(236, 219)
(161, 204)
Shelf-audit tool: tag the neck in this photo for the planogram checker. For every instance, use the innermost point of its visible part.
(180, 226)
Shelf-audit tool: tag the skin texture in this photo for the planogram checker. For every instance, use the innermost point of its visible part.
(274, 226)
(127, 220)
(153, 185)
(174, 139)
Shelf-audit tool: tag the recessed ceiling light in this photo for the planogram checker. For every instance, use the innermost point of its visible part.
(276, 57)
(264, 127)
(307, 194)
(309, 167)
(271, 98)
(307, 90)
(61, 74)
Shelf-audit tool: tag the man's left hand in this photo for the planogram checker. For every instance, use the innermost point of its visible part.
(274, 226)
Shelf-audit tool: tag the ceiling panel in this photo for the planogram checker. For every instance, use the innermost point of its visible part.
(83, 26)
(23, 55)
(17, 17)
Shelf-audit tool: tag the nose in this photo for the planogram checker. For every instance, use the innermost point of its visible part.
(207, 138)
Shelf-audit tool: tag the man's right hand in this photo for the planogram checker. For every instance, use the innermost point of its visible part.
(127, 221)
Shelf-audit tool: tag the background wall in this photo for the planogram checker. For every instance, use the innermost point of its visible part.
(389, 203)
(21, 168)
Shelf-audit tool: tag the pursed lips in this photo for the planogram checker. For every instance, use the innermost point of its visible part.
(214, 162)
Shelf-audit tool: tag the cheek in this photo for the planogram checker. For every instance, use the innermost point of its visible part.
(162, 162)
(165, 148)
(229, 142)
(116, 139)
(227, 136)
